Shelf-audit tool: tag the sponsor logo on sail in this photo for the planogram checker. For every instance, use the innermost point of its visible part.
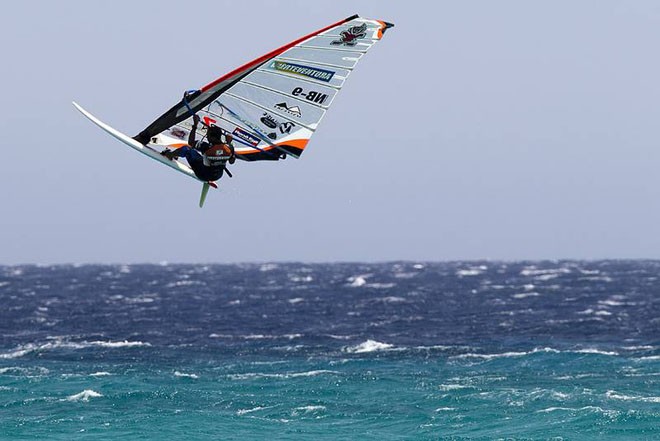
(305, 71)
(350, 36)
(269, 121)
(178, 133)
(245, 136)
(293, 110)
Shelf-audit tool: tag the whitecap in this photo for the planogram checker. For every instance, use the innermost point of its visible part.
(508, 354)
(618, 396)
(268, 267)
(253, 375)
(357, 281)
(595, 351)
(524, 295)
(119, 344)
(473, 271)
(381, 285)
(181, 374)
(650, 358)
(100, 374)
(296, 300)
(448, 387)
(254, 409)
(84, 395)
(392, 299)
(445, 409)
(368, 346)
(300, 279)
(308, 409)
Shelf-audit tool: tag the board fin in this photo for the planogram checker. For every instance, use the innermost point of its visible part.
(205, 190)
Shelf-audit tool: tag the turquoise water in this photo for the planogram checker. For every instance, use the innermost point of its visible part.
(362, 359)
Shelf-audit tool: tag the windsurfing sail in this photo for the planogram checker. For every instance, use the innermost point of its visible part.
(273, 105)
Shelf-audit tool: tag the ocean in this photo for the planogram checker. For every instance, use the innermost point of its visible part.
(548, 350)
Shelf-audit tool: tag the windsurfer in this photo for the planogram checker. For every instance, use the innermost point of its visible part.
(207, 159)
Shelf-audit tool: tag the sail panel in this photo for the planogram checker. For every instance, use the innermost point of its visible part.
(273, 104)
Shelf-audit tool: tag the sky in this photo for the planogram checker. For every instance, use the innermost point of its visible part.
(474, 130)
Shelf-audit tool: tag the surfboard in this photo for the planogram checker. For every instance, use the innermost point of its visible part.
(144, 149)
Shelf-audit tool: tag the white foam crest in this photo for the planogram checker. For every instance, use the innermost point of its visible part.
(340, 337)
(546, 277)
(358, 281)
(618, 396)
(21, 351)
(405, 275)
(381, 285)
(508, 354)
(296, 300)
(475, 271)
(268, 267)
(650, 358)
(300, 279)
(4, 284)
(576, 409)
(100, 374)
(368, 346)
(311, 408)
(28, 372)
(448, 387)
(524, 295)
(84, 395)
(118, 344)
(392, 299)
(445, 409)
(254, 409)
(639, 348)
(61, 344)
(253, 375)
(181, 374)
(533, 271)
(185, 283)
(269, 336)
(595, 351)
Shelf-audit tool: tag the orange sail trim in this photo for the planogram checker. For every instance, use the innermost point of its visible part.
(296, 143)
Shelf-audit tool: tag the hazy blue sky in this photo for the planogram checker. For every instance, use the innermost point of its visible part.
(499, 130)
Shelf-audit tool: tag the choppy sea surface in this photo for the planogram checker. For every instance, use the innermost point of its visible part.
(559, 350)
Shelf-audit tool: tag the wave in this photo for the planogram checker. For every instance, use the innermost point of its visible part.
(618, 396)
(253, 375)
(448, 387)
(508, 354)
(368, 346)
(181, 374)
(256, 336)
(84, 395)
(254, 409)
(589, 351)
(309, 409)
(61, 344)
(577, 409)
(595, 351)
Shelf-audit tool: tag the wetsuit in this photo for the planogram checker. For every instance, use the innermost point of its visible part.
(196, 161)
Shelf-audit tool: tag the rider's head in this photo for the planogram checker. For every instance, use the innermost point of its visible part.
(214, 135)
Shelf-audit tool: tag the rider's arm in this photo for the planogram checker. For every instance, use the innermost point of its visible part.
(229, 140)
(191, 137)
